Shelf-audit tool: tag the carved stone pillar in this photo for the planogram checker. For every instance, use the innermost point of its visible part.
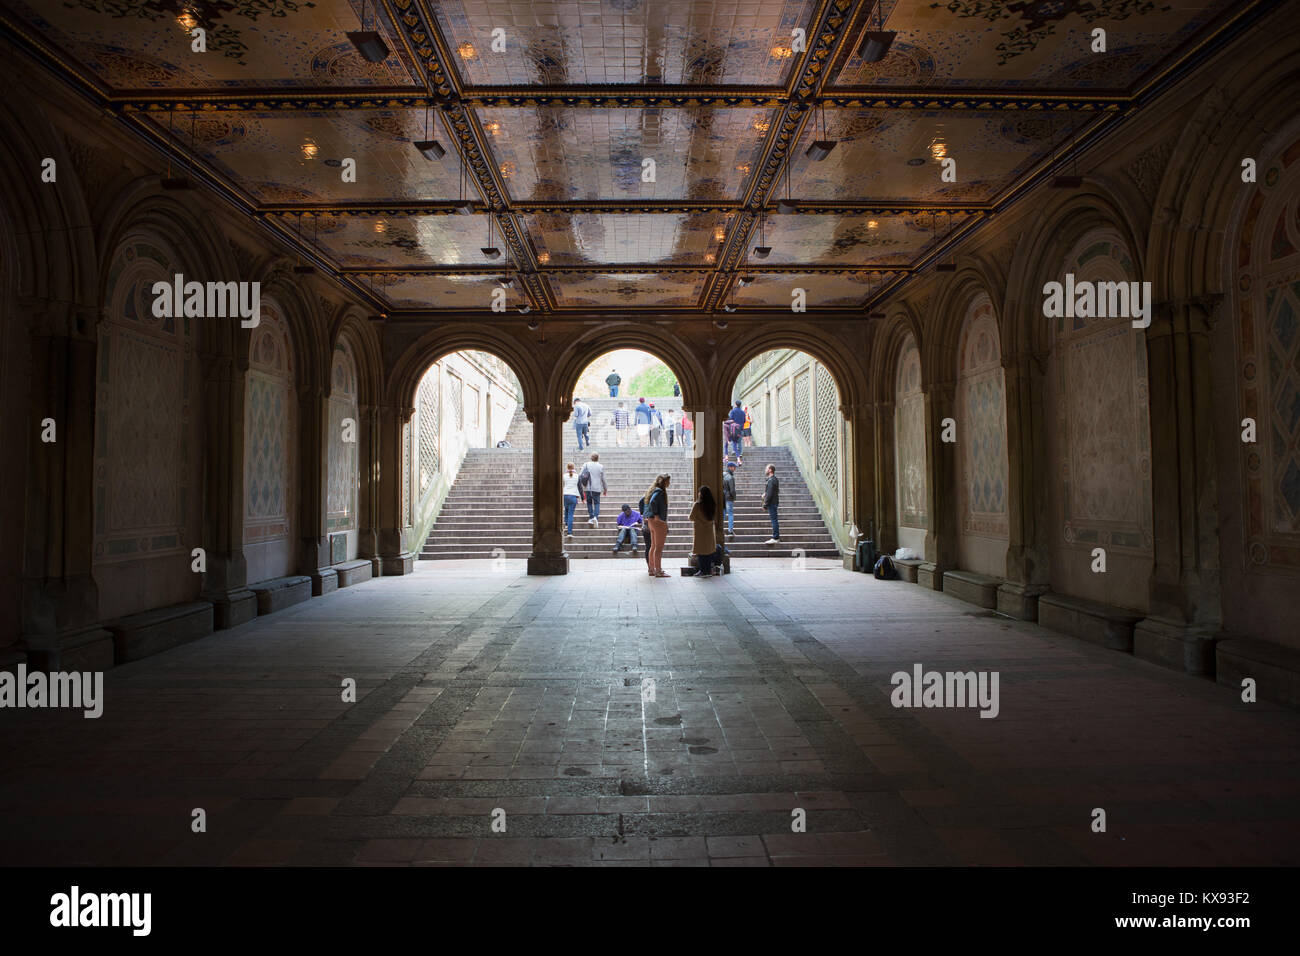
(706, 448)
(861, 464)
(314, 557)
(225, 582)
(394, 556)
(941, 487)
(1028, 474)
(548, 555)
(60, 601)
(368, 458)
(886, 491)
(1185, 609)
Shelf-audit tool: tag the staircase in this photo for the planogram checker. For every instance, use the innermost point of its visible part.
(490, 504)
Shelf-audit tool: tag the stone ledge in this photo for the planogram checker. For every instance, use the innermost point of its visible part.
(280, 593)
(151, 632)
(85, 649)
(232, 607)
(354, 572)
(907, 568)
(324, 581)
(1175, 646)
(1275, 668)
(973, 588)
(930, 575)
(1090, 621)
(1019, 600)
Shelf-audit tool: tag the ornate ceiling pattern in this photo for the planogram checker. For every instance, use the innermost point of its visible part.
(621, 155)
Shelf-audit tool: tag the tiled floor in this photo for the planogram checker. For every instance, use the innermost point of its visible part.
(491, 696)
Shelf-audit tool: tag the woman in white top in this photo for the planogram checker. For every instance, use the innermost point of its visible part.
(570, 499)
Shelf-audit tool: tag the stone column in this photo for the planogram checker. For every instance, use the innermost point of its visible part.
(548, 555)
(1028, 475)
(860, 464)
(394, 556)
(60, 601)
(314, 558)
(883, 468)
(1185, 610)
(368, 491)
(941, 487)
(224, 584)
(707, 452)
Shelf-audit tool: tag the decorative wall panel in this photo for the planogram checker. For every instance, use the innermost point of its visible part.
(803, 407)
(145, 386)
(344, 479)
(982, 424)
(828, 428)
(909, 439)
(269, 431)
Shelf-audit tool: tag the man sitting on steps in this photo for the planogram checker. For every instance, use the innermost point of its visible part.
(628, 522)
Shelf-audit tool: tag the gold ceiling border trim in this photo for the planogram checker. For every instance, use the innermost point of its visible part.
(622, 269)
(420, 35)
(830, 27)
(828, 207)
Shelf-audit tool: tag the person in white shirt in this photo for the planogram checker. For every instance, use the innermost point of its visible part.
(571, 496)
(596, 473)
(671, 425)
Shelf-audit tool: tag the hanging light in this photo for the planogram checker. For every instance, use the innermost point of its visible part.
(430, 148)
(876, 43)
(787, 205)
(820, 148)
(762, 250)
(490, 251)
(369, 43)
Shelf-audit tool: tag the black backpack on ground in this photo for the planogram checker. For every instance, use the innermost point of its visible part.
(884, 569)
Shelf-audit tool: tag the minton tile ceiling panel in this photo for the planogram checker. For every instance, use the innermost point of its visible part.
(599, 239)
(399, 242)
(586, 42)
(146, 44)
(848, 240)
(897, 154)
(627, 290)
(822, 290)
(467, 292)
(1039, 43)
(297, 157)
(559, 154)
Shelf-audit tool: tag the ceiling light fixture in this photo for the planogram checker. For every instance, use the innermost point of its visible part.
(491, 251)
(820, 148)
(534, 325)
(787, 205)
(525, 308)
(465, 207)
(876, 43)
(369, 43)
(762, 250)
(728, 308)
(429, 147)
(722, 323)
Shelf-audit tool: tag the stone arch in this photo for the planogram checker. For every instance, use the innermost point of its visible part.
(302, 322)
(404, 379)
(1256, 357)
(951, 312)
(900, 328)
(271, 459)
(668, 348)
(148, 463)
(1043, 250)
(832, 352)
(982, 506)
(1098, 437)
(350, 323)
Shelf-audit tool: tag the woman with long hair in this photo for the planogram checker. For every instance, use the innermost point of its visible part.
(656, 522)
(705, 543)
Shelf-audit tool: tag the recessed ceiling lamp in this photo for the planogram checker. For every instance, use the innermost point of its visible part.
(369, 43)
(721, 323)
(820, 148)
(876, 43)
(430, 148)
(491, 251)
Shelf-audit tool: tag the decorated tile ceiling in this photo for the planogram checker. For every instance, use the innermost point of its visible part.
(620, 151)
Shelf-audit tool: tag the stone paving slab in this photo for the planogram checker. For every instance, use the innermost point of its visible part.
(488, 695)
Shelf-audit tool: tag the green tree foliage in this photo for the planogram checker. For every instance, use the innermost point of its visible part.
(655, 380)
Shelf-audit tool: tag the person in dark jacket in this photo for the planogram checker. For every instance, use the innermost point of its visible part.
(734, 431)
(729, 499)
(771, 499)
(656, 523)
(613, 380)
(704, 543)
